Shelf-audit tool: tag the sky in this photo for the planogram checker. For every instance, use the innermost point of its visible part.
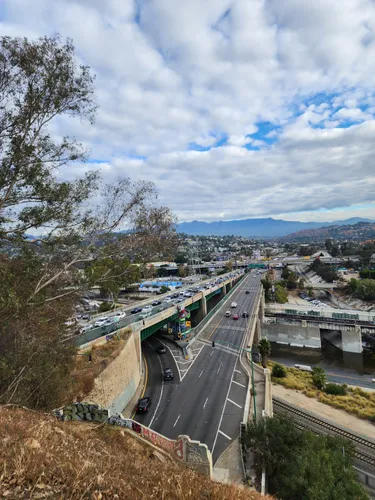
(233, 108)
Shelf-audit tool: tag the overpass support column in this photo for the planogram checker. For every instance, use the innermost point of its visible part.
(223, 292)
(352, 340)
(202, 313)
(230, 285)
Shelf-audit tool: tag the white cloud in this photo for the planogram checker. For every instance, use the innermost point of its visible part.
(171, 74)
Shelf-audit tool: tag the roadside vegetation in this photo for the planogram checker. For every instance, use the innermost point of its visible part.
(300, 465)
(80, 218)
(89, 364)
(352, 400)
(68, 460)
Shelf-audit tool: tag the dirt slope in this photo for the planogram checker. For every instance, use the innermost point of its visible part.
(43, 458)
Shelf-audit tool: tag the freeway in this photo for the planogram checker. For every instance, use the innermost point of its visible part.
(208, 403)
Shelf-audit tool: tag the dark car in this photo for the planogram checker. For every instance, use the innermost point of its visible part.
(161, 350)
(167, 374)
(156, 303)
(247, 292)
(174, 296)
(143, 405)
(245, 314)
(136, 310)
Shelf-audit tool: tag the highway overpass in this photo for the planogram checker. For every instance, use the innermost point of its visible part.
(302, 325)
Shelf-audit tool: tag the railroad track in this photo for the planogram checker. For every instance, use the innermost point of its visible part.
(326, 426)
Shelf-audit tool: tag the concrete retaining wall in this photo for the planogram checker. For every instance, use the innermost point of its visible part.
(117, 384)
(302, 336)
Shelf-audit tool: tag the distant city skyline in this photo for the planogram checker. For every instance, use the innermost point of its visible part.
(234, 108)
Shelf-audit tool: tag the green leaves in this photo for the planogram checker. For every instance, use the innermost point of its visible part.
(301, 465)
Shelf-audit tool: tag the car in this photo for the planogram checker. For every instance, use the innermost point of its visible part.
(145, 314)
(233, 304)
(101, 321)
(167, 374)
(86, 328)
(143, 405)
(146, 309)
(235, 316)
(228, 314)
(85, 316)
(156, 303)
(161, 350)
(245, 314)
(247, 292)
(120, 315)
(174, 296)
(167, 300)
(136, 310)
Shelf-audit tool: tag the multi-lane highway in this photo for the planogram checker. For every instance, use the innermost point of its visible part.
(208, 403)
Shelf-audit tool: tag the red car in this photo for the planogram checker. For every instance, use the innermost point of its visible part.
(235, 316)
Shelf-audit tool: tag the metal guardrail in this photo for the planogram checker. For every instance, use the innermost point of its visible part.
(101, 331)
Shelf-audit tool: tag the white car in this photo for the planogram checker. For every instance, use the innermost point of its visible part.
(233, 304)
(120, 315)
(101, 321)
(147, 309)
(145, 314)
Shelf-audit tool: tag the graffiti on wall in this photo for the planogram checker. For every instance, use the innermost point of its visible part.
(195, 454)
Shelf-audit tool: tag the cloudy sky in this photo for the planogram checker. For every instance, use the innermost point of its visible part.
(234, 108)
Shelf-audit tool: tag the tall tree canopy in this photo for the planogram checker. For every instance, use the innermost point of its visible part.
(73, 220)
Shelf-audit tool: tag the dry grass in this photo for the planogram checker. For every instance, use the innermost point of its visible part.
(86, 371)
(43, 458)
(356, 402)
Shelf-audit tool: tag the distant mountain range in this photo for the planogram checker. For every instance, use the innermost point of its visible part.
(361, 231)
(257, 228)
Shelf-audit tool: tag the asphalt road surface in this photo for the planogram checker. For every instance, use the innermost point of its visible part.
(208, 403)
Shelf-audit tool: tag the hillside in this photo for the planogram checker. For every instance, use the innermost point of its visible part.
(41, 457)
(356, 232)
(256, 228)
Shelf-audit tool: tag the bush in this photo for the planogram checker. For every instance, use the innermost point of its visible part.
(279, 371)
(335, 389)
(105, 306)
(319, 377)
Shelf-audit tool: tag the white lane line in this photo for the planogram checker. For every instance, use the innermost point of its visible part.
(233, 403)
(161, 394)
(225, 435)
(219, 367)
(205, 403)
(174, 425)
(211, 353)
(238, 371)
(175, 360)
(234, 382)
(201, 374)
(194, 360)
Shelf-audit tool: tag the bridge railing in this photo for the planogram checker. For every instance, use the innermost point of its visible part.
(322, 312)
(101, 331)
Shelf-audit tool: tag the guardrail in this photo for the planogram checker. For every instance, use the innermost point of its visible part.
(101, 331)
(321, 312)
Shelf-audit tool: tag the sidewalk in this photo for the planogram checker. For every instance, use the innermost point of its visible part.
(228, 467)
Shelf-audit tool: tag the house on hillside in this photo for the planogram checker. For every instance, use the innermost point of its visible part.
(321, 254)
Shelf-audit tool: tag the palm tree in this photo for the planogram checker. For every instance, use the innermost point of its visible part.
(264, 347)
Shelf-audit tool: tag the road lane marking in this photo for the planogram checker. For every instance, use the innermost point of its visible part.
(225, 435)
(205, 403)
(145, 384)
(238, 371)
(201, 374)
(174, 359)
(234, 382)
(239, 406)
(161, 394)
(174, 425)
(194, 360)
(211, 353)
(219, 367)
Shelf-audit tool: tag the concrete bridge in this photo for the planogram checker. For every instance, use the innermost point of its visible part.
(303, 325)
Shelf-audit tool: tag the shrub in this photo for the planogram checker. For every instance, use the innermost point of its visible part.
(105, 306)
(279, 371)
(335, 389)
(319, 377)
